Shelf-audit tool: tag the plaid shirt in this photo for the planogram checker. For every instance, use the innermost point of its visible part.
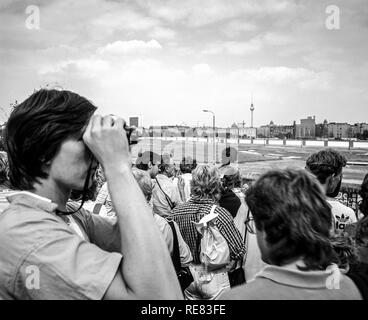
(194, 210)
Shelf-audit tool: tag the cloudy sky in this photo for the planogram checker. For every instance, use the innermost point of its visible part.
(166, 60)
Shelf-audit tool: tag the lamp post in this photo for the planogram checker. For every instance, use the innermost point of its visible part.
(214, 133)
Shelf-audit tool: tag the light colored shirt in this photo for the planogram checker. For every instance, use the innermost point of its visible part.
(184, 251)
(4, 203)
(187, 177)
(252, 262)
(341, 215)
(77, 229)
(282, 283)
(42, 257)
(160, 204)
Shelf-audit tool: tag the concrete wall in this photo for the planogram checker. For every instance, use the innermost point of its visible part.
(275, 142)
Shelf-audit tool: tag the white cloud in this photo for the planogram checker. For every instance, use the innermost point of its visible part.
(123, 18)
(129, 47)
(164, 93)
(276, 39)
(162, 33)
(278, 49)
(236, 28)
(291, 77)
(6, 3)
(202, 69)
(195, 14)
(251, 46)
(234, 47)
(89, 67)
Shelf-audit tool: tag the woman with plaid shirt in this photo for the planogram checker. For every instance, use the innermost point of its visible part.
(205, 192)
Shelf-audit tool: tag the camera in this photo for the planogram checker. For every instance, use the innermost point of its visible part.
(132, 134)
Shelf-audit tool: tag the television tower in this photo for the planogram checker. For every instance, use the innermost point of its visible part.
(251, 111)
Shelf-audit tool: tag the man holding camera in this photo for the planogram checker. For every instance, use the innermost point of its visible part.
(50, 251)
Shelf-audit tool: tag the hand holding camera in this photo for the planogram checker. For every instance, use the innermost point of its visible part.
(107, 139)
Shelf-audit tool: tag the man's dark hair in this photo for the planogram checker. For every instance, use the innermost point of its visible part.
(231, 179)
(325, 163)
(145, 158)
(188, 164)
(290, 207)
(36, 129)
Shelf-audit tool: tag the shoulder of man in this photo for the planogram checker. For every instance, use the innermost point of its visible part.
(17, 214)
(257, 289)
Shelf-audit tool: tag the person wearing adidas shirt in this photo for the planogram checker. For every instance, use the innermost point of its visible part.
(327, 166)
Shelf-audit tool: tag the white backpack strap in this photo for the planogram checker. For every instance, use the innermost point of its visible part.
(213, 209)
(206, 219)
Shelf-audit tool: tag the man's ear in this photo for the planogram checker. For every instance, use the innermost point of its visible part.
(150, 165)
(331, 182)
(329, 179)
(335, 177)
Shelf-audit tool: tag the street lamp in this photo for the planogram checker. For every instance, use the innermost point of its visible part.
(214, 133)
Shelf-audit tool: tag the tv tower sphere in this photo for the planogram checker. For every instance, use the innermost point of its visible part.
(251, 112)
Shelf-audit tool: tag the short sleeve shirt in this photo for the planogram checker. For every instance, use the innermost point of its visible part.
(3, 198)
(341, 215)
(43, 258)
(160, 203)
(281, 283)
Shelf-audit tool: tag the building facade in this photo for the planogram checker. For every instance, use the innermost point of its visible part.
(340, 130)
(277, 131)
(307, 128)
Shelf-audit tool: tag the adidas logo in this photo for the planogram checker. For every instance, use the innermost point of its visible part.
(341, 222)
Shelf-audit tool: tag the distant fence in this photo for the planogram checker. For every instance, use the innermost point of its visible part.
(275, 142)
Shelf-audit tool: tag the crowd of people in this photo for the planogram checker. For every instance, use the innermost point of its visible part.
(83, 221)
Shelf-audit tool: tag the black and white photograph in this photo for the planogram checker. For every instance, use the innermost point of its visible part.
(196, 152)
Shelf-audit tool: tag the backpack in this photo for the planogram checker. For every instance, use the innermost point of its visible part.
(214, 252)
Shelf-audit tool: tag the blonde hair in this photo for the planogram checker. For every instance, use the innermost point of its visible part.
(206, 182)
